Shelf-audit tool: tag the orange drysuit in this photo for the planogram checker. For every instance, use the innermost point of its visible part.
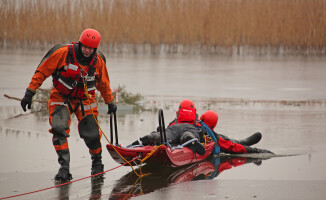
(54, 60)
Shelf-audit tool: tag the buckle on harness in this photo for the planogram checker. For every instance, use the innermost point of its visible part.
(74, 84)
(89, 78)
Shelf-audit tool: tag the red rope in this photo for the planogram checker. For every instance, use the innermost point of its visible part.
(56, 186)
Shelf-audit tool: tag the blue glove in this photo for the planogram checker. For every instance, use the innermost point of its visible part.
(27, 100)
(112, 108)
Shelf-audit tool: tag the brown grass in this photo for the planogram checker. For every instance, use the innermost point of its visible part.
(201, 24)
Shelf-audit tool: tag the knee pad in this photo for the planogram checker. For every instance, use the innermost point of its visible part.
(60, 120)
(88, 129)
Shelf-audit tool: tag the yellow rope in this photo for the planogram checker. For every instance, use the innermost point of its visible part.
(149, 155)
(207, 139)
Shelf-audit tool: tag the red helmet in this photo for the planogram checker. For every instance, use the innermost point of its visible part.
(186, 112)
(187, 104)
(210, 118)
(90, 38)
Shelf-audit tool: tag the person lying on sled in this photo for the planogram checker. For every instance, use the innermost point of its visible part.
(186, 126)
(227, 145)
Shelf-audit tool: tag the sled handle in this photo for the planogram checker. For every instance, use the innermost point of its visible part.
(113, 117)
(161, 126)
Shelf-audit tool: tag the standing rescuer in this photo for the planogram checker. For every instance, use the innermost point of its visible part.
(75, 68)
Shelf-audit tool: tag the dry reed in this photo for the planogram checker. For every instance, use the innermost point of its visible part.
(203, 25)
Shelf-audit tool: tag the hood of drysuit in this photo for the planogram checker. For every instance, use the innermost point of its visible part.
(80, 57)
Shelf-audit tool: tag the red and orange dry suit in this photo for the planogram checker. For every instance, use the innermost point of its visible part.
(55, 60)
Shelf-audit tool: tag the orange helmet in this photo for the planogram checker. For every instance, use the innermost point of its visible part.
(90, 38)
(186, 112)
(210, 118)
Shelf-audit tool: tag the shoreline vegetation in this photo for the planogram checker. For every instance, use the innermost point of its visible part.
(126, 101)
(205, 27)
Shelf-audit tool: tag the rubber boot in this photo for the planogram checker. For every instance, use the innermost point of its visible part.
(97, 166)
(63, 159)
(251, 140)
(256, 150)
(195, 146)
(60, 123)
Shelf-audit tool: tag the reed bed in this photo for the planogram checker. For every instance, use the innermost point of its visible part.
(204, 26)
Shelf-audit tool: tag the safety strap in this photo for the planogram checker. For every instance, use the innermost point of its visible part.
(91, 68)
(73, 110)
(81, 107)
(70, 57)
(210, 133)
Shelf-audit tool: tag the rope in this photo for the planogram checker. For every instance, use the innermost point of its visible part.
(147, 156)
(205, 138)
(56, 186)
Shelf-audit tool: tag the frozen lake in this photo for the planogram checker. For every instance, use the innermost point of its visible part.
(283, 98)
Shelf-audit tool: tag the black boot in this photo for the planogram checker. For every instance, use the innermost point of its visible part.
(63, 174)
(195, 146)
(256, 150)
(251, 140)
(97, 166)
(151, 139)
(146, 140)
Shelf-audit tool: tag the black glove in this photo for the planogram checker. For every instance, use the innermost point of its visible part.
(27, 100)
(112, 108)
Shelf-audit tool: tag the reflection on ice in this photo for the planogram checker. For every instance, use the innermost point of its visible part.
(130, 185)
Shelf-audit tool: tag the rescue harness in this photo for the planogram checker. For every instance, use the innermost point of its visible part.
(69, 80)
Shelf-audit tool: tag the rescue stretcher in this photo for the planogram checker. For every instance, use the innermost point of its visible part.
(171, 156)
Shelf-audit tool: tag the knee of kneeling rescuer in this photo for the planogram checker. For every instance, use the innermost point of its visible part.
(186, 136)
(155, 136)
